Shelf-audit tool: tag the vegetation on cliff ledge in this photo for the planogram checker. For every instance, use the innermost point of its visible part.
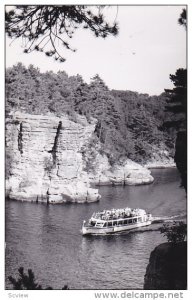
(175, 233)
(129, 124)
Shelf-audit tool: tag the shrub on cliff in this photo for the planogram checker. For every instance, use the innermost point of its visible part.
(28, 281)
(175, 233)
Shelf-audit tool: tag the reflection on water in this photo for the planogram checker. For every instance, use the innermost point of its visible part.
(48, 239)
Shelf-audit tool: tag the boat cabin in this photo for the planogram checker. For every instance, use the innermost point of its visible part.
(120, 222)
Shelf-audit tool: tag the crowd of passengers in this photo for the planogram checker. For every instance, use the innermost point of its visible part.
(118, 213)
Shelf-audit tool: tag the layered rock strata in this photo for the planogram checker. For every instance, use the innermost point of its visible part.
(46, 163)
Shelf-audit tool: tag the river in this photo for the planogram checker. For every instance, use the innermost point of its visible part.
(47, 239)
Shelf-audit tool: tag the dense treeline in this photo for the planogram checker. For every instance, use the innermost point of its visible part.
(129, 124)
(177, 104)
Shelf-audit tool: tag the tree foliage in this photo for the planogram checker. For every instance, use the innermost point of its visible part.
(43, 27)
(177, 99)
(27, 281)
(183, 18)
(177, 105)
(175, 233)
(129, 124)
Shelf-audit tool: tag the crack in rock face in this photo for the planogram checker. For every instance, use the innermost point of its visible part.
(55, 145)
(45, 175)
(20, 138)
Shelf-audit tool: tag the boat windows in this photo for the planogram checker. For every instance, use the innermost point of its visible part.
(109, 223)
(129, 221)
(114, 223)
(125, 222)
(120, 223)
(99, 224)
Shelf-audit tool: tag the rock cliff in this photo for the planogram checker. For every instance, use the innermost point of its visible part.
(121, 173)
(46, 161)
(167, 268)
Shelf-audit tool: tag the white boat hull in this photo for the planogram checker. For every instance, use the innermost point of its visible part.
(113, 229)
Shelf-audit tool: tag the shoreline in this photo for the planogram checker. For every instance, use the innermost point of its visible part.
(159, 166)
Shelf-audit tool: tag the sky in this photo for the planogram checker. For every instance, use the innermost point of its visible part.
(150, 46)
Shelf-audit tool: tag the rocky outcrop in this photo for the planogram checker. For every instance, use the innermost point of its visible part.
(126, 172)
(167, 268)
(160, 159)
(160, 164)
(46, 163)
(49, 163)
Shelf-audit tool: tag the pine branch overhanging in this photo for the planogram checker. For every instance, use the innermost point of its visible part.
(43, 27)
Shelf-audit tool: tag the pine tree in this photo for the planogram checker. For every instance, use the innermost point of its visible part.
(28, 281)
(43, 27)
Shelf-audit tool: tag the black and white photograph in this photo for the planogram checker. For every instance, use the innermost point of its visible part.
(96, 149)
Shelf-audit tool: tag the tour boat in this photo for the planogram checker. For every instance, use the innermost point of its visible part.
(115, 220)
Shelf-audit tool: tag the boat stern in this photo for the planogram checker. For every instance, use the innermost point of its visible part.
(83, 229)
(149, 217)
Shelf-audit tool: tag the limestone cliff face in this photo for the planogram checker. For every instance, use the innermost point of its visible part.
(48, 159)
(121, 173)
(167, 268)
(46, 163)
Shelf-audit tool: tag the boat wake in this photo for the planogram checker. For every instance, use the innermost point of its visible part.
(159, 220)
(168, 218)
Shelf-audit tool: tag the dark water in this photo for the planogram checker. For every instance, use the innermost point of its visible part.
(48, 240)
